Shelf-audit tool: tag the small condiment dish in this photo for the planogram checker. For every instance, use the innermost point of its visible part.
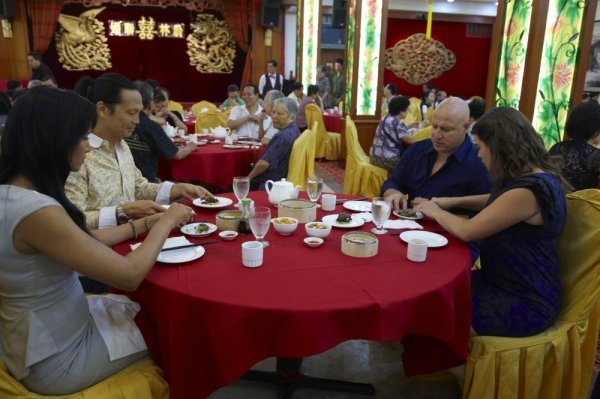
(285, 229)
(313, 242)
(228, 235)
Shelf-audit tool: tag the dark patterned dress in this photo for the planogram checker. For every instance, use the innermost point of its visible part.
(517, 291)
(580, 162)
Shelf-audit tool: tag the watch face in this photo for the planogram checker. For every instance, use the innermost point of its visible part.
(121, 216)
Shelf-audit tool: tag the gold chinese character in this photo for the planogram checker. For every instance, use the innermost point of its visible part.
(129, 28)
(164, 30)
(115, 28)
(178, 31)
(146, 28)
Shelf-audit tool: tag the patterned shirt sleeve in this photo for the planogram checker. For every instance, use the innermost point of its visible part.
(76, 189)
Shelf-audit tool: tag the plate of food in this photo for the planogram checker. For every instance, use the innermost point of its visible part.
(410, 214)
(433, 240)
(343, 221)
(208, 201)
(358, 206)
(198, 229)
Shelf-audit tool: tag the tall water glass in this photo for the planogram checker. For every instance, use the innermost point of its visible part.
(314, 187)
(241, 186)
(260, 220)
(381, 212)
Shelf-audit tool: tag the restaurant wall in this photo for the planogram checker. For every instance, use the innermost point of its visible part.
(467, 77)
(162, 59)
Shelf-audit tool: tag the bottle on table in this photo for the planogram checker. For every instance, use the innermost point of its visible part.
(245, 218)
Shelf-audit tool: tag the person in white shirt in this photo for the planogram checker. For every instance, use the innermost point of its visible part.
(246, 118)
(271, 80)
(297, 93)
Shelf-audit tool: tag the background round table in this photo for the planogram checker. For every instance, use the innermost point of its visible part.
(211, 163)
(208, 321)
(333, 122)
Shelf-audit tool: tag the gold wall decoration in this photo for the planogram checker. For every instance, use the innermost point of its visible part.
(211, 47)
(146, 28)
(81, 43)
(418, 60)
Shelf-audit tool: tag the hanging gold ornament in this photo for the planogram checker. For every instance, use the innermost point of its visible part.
(211, 47)
(81, 43)
(418, 59)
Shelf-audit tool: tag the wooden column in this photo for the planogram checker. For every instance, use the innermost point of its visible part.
(13, 51)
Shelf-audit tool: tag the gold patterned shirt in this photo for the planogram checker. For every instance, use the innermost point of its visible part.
(107, 180)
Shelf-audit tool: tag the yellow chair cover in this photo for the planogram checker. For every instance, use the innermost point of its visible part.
(196, 108)
(422, 134)
(141, 380)
(361, 177)
(175, 106)
(557, 363)
(413, 111)
(328, 144)
(209, 119)
(302, 159)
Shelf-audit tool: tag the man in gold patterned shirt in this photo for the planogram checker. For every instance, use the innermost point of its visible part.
(108, 188)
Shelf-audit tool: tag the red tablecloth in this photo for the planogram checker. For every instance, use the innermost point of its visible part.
(208, 321)
(333, 123)
(191, 124)
(211, 163)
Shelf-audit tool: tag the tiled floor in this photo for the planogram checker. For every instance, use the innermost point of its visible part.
(359, 361)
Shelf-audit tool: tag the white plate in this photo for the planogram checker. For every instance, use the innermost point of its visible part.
(223, 202)
(190, 230)
(358, 206)
(433, 240)
(235, 146)
(181, 255)
(419, 216)
(332, 221)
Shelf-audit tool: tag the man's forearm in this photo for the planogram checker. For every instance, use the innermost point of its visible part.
(260, 168)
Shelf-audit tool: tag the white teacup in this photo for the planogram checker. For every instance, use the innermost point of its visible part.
(328, 202)
(229, 140)
(417, 250)
(205, 131)
(252, 254)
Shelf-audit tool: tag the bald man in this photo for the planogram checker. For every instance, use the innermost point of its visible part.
(444, 166)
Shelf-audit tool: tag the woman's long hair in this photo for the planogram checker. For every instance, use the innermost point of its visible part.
(42, 131)
(515, 147)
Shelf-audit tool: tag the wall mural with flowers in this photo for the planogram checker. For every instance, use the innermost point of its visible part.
(351, 26)
(310, 40)
(513, 49)
(368, 63)
(560, 56)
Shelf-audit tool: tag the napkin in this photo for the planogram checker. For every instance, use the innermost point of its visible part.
(170, 242)
(113, 316)
(402, 224)
(366, 216)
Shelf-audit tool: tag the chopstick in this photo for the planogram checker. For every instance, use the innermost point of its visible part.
(341, 201)
(188, 246)
(432, 231)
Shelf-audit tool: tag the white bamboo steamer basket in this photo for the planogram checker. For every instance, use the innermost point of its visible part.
(301, 209)
(359, 244)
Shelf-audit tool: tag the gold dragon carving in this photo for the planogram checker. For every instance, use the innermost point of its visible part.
(418, 60)
(211, 47)
(81, 43)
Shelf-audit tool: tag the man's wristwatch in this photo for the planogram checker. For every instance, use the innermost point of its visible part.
(122, 217)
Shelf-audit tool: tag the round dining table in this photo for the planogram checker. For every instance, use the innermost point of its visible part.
(211, 163)
(206, 322)
(333, 122)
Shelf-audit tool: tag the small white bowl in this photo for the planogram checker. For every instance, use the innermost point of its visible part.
(313, 242)
(228, 235)
(322, 233)
(285, 229)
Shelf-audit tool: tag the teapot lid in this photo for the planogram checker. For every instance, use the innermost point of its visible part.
(282, 182)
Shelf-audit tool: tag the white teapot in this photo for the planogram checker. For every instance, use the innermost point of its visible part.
(281, 190)
(220, 132)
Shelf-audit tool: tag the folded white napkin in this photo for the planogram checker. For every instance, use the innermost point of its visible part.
(170, 242)
(113, 316)
(366, 216)
(402, 224)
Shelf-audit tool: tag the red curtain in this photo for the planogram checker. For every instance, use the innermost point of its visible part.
(44, 16)
(236, 14)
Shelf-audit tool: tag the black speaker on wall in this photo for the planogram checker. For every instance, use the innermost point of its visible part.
(338, 19)
(269, 16)
(7, 9)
